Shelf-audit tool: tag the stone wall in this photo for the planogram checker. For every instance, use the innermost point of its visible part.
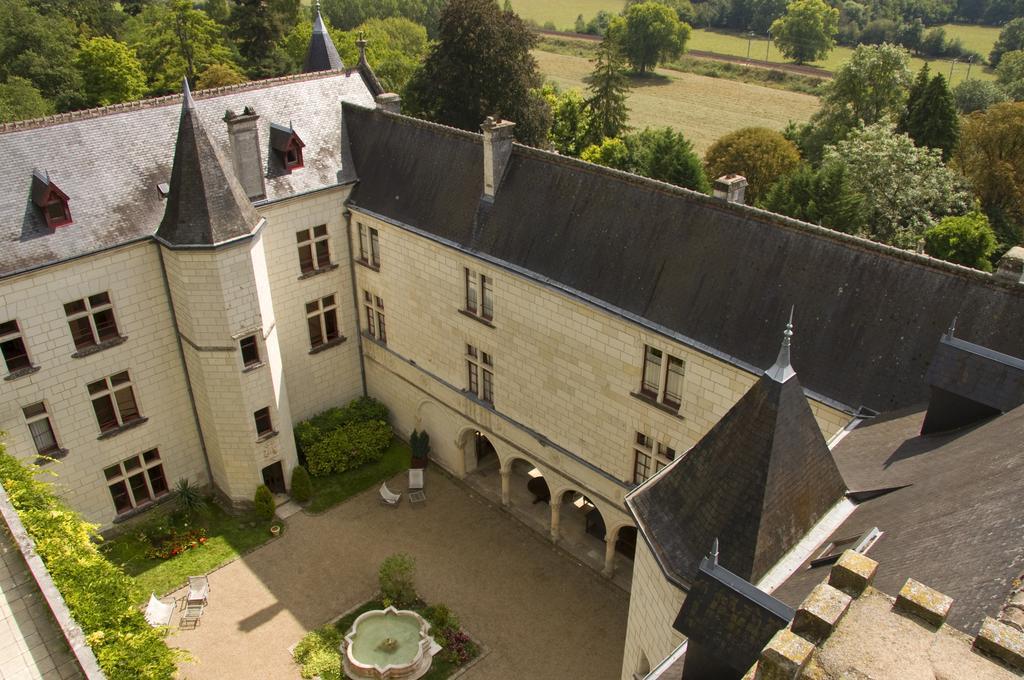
(653, 605)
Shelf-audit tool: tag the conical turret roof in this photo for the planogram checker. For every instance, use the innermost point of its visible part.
(758, 480)
(321, 55)
(205, 205)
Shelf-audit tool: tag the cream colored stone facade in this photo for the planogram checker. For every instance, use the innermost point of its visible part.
(654, 604)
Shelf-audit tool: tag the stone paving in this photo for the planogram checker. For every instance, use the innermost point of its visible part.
(540, 614)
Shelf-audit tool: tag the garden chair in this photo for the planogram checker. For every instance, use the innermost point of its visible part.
(158, 613)
(193, 612)
(198, 589)
(389, 497)
(416, 494)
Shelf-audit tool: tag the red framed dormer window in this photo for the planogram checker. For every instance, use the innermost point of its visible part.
(51, 200)
(287, 145)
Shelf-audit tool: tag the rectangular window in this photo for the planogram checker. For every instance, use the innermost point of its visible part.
(13, 347)
(374, 248)
(374, 307)
(264, 426)
(114, 401)
(479, 294)
(364, 247)
(322, 320)
(369, 245)
(136, 481)
(663, 377)
(91, 320)
(314, 249)
(647, 452)
(41, 429)
(480, 367)
(250, 351)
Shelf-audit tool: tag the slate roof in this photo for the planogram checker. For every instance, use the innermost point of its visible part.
(977, 373)
(757, 481)
(957, 527)
(109, 161)
(206, 204)
(719, 275)
(729, 618)
(321, 55)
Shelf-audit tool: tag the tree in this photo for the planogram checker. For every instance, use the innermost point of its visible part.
(293, 46)
(218, 10)
(871, 86)
(347, 14)
(608, 88)
(570, 122)
(174, 39)
(481, 66)
(683, 8)
(257, 26)
(822, 196)
(658, 153)
(930, 116)
(110, 72)
(977, 95)
(219, 75)
(1011, 38)
(649, 33)
(41, 50)
(807, 30)
(906, 189)
(1010, 74)
(759, 154)
(395, 46)
(19, 100)
(991, 155)
(581, 24)
(965, 239)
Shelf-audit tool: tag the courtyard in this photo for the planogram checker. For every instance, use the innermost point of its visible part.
(536, 612)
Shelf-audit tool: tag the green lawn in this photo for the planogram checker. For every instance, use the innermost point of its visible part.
(563, 13)
(228, 537)
(977, 38)
(331, 490)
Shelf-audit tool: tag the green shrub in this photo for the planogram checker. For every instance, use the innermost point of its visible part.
(419, 442)
(362, 410)
(264, 502)
(966, 239)
(302, 487)
(318, 653)
(349, 447)
(396, 581)
(188, 498)
(102, 599)
(441, 618)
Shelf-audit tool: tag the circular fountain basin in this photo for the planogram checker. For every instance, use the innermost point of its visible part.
(388, 643)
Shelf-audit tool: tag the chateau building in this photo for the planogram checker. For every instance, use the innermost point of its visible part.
(184, 279)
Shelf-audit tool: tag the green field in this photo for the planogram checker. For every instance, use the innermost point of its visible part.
(563, 13)
(977, 38)
(702, 108)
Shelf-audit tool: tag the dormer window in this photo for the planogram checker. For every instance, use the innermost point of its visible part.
(287, 146)
(50, 199)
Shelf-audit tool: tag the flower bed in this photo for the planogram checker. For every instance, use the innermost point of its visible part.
(176, 542)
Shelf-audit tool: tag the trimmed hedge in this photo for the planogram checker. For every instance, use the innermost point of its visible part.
(302, 487)
(348, 447)
(264, 502)
(100, 596)
(361, 410)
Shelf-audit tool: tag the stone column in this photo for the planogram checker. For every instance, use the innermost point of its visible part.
(505, 487)
(609, 555)
(555, 507)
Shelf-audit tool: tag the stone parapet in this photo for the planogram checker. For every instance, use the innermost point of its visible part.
(852, 573)
(927, 604)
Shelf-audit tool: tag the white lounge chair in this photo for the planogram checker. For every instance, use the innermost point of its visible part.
(416, 494)
(198, 589)
(158, 613)
(389, 497)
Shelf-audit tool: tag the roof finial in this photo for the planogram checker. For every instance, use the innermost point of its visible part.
(713, 555)
(186, 102)
(318, 21)
(361, 43)
(782, 370)
(952, 327)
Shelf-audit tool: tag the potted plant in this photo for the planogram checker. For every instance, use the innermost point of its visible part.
(419, 442)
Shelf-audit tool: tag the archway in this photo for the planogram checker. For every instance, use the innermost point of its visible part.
(578, 526)
(478, 452)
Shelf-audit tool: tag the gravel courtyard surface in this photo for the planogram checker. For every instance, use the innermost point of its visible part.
(539, 614)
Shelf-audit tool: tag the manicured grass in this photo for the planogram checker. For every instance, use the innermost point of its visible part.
(977, 38)
(228, 537)
(564, 12)
(331, 490)
(702, 108)
(439, 668)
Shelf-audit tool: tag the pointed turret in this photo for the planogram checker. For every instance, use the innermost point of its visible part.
(782, 369)
(205, 205)
(759, 480)
(321, 55)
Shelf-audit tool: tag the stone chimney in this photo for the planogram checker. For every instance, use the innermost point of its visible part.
(730, 188)
(246, 159)
(498, 140)
(390, 102)
(1011, 266)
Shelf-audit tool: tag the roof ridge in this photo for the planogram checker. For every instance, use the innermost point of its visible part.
(421, 122)
(762, 215)
(163, 100)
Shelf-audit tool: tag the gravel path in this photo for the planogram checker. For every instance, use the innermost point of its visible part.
(539, 614)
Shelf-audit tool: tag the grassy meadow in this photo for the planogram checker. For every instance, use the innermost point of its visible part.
(702, 108)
